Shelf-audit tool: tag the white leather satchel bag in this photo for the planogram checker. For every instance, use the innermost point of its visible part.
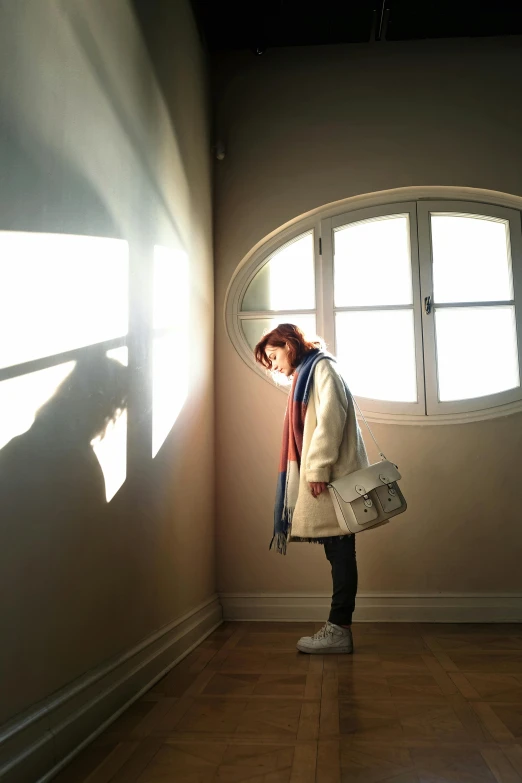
(369, 497)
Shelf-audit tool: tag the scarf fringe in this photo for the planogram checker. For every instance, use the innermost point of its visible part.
(281, 537)
(281, 541)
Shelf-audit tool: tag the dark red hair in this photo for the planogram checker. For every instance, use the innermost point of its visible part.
(286, 334)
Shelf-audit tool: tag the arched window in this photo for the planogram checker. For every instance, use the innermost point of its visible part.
(421, 302)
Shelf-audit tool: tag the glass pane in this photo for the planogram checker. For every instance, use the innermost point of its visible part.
(255, 328)
(372, 264)
(471, 258)
(170, 274)
(376, 353)
(287, 281)
(59, 292)
(476, 351)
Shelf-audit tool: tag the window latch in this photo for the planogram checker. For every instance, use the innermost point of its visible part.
(427, 305)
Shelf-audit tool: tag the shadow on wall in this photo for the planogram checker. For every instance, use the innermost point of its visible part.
(41, 191)
(52, 493)
(87, 148)
(53, 463)
(57, 531)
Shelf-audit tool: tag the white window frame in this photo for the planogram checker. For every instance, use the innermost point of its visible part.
(425, 208)
(417, 202)
(241, 281)
(328, 226)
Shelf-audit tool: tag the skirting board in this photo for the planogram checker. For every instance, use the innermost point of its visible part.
(378, 607)
(36, 745)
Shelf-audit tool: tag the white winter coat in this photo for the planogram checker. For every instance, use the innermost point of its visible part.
(332, 447)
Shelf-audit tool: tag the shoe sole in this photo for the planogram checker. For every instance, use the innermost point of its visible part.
(326, 650)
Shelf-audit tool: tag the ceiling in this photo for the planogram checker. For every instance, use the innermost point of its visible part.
(259, 25)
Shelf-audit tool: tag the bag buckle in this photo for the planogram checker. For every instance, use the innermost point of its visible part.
(362, 492)
(388, 483)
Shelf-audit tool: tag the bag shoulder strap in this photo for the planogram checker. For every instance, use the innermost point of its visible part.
(349, 394)
(368, 426)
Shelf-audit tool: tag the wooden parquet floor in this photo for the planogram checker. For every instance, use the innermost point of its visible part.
(415, 703)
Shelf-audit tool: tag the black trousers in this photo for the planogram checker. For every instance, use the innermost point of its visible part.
(341, 556)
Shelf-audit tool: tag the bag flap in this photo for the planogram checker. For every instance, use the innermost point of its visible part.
(354, 485)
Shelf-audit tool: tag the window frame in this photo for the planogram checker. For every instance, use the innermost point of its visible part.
(256, 260)
(425, 208)
(322, 220)
(328, 226)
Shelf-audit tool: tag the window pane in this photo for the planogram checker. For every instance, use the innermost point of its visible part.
(287, 281)
(376, 353)
(372, 264)
(59, 292)
(471, 259)
(476, 351)
(255, 328)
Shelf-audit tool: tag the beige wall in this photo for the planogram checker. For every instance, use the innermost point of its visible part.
(91, 146)
(308, 126)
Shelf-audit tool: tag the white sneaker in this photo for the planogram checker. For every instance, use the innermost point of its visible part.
(330, 639)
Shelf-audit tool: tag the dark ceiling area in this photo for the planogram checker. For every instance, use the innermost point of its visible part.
(259, 25)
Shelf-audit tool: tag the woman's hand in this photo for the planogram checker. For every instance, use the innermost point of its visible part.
(317, 487)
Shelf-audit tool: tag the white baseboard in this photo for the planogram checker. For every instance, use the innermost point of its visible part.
(378, 607)
(36, 745)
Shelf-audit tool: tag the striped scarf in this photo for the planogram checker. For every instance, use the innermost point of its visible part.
(290, 461)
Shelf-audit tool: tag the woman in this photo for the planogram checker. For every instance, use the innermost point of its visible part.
(321, 442)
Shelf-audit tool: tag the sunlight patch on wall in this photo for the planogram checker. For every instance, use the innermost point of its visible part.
(21, 397)
(111, 447)
(170, 353)
(59, 292)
